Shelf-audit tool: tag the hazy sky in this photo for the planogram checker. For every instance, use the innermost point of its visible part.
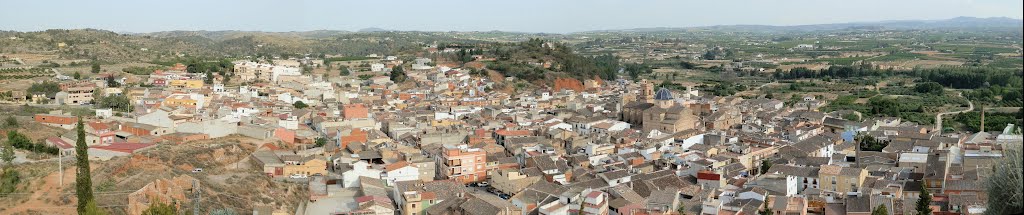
(557, 16)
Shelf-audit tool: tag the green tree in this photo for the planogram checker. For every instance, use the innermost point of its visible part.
(1004, 186)
(320, 141)
(681, 209)
(160, 208)
(929, 88)
(18, 140)
(112, 82)
(83, 179)
(95, 67)
(209, 77)
(11, 122)
(398, 74)
(7, 153)
(880, 210)
(91, 209)
(77, 75)
(869, 143)
(9, 180)
(365, 77)
(299, 105)
(766, 210)
(343, 71)
(924, 200)
(765, 165)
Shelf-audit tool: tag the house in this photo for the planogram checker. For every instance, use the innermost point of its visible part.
(417, 202)
(400, 171)
(514, 180)
(139, 129)
(376, 67)
(106, 152)
(186, 84)
(65, 147)
(214, 128)
(374, 205)
(287, 163)
(616, 177)
(78, 95)
(463, 164)
(840, 180)
(595, 202)
(179, 138)
(359, 169)
(63, 121)
(355, 111)
(664, 201)
(158, 117)
(191, 101)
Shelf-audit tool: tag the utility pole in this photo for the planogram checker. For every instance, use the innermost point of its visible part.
(60, 166)
(195, 201)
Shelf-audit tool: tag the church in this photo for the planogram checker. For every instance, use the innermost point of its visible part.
(658, 111)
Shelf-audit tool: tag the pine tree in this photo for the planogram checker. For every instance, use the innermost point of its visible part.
(880, 210)
(923, 202)
(209, 77)
(766, 210)
(83, 180)
(95, 67)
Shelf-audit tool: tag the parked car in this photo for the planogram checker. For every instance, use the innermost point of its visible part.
(197, 170)
(482, 184)
(298, 176)
(504, 196)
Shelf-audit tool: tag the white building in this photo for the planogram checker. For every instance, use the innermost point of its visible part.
(350, 178)
(400, 171)
(377, 67)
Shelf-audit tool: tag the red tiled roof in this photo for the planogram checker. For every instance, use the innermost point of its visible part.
(708, 175)
(98, 126)
(395, 166)
(60, 143)
(504, 132)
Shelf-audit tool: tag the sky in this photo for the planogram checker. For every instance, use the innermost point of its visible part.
(550, 16)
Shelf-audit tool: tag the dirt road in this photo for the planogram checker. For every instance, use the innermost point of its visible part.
(938, 117)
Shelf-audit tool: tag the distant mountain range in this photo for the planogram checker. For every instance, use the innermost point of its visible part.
(221, 35)
(954, 23)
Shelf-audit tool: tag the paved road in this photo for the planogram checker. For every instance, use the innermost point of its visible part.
(938, 117)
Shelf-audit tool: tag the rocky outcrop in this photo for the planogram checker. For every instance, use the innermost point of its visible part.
(169, 191)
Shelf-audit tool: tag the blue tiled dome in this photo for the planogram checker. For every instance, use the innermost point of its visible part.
(663, 94)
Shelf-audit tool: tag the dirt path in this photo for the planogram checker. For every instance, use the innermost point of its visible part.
(44, 198)
(938, 117)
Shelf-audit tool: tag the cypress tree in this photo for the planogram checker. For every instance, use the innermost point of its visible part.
(923, 202)
(83, 180)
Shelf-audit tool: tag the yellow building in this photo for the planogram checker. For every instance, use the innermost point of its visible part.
(444, 123)
(180, 100)
(310, 165)
(190, 84)
(841, 180)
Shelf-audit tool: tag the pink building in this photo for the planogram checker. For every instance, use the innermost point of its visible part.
(355, 111)
(463, 164)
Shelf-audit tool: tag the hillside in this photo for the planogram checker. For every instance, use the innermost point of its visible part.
(111, 47)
